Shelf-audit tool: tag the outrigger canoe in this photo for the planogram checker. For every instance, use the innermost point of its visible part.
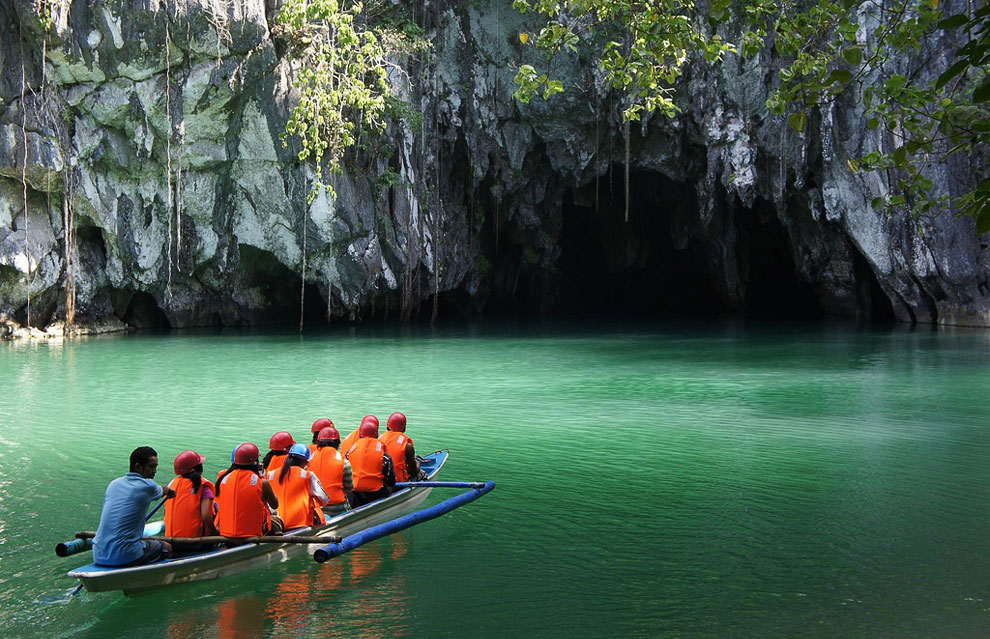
(222, 562)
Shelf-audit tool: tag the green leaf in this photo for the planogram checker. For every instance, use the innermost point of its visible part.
(900, 157)
(873, 123)
(878, 203)
(853, 55)
(983, 220)
(951, 72)
(798, 121)
(842, 76)
(982, 92)
(953, 22)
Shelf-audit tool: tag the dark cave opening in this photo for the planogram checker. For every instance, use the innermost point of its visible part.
(143, 312)
(767, 269)
(280, 288)
(610, 266)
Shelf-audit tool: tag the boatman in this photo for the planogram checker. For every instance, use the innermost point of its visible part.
(400, 448)
(374, 472)
(333, 470)
(125, 507)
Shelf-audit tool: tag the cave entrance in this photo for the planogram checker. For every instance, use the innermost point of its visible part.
(766, 266)
(143, 312)
(279, 287)
(610, 266)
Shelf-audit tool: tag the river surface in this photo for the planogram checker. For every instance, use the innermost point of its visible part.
(720, 480)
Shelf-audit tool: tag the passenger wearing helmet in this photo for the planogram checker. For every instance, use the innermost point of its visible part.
(244, 498)
(374, 472)
(299, 491)
(190, 514)
(400, 448)
(279, 445)
(333, 470)
(125, 506)
(319, 425)
(352, 439)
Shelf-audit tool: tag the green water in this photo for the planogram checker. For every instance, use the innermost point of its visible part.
(695, 481)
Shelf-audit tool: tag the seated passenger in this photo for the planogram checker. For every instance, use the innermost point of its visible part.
(279, 445)
(125, 508)
(244, 498)
(352, 439)
(333, 470)
(374, 472)
(299, 491)
(319, 425)
(400, 448)
(190, 514)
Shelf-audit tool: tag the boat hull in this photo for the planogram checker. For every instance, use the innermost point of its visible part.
(231, 561)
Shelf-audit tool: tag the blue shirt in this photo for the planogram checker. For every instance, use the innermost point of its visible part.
(125, 506)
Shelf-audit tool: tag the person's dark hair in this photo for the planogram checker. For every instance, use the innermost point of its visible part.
(316, 437)
(323, 443)
(252, 467)
(141, 455)
(196, 476)
(271, 454)
(289, 463)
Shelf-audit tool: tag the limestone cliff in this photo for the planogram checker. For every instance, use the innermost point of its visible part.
(152, 131)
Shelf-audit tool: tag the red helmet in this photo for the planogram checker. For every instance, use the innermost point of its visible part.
(370, 418)
(186, 461)
(397, 422)
(281, 441)
(322, 423)
(328, 434)
(368, 429)
(246, 454)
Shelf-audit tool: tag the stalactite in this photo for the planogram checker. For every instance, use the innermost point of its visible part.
(24, 140)
(627, 170)
(168, 149)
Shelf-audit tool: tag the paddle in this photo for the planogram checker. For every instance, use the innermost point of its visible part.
(217, 539)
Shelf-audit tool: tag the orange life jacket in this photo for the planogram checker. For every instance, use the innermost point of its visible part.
(182, 514)
(241, 510)
(367, 458)
(295, 505)
(348, 443)
(275, 463)
(395, 446)
(328, 464)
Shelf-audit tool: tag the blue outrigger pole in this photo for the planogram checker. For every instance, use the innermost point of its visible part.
(475, 490)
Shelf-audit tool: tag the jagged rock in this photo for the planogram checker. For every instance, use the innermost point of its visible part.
(189, 210)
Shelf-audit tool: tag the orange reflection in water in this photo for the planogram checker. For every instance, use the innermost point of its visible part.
(241, 617)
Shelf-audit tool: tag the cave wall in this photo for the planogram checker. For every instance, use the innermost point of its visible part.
(170, 161)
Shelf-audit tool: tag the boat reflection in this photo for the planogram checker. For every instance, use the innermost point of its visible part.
(362, 593)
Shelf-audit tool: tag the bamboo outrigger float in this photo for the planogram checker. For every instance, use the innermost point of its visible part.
(222, 562)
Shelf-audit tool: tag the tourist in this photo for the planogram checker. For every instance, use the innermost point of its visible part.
(374, 472)
(333, 470)
(279, 445)
(125, 509)
(319, 425)
(299, 491)
(352, 439)
(400, 448)
(191, 513)
(244, 498)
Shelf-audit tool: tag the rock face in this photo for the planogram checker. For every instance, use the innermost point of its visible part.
(152, 133)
